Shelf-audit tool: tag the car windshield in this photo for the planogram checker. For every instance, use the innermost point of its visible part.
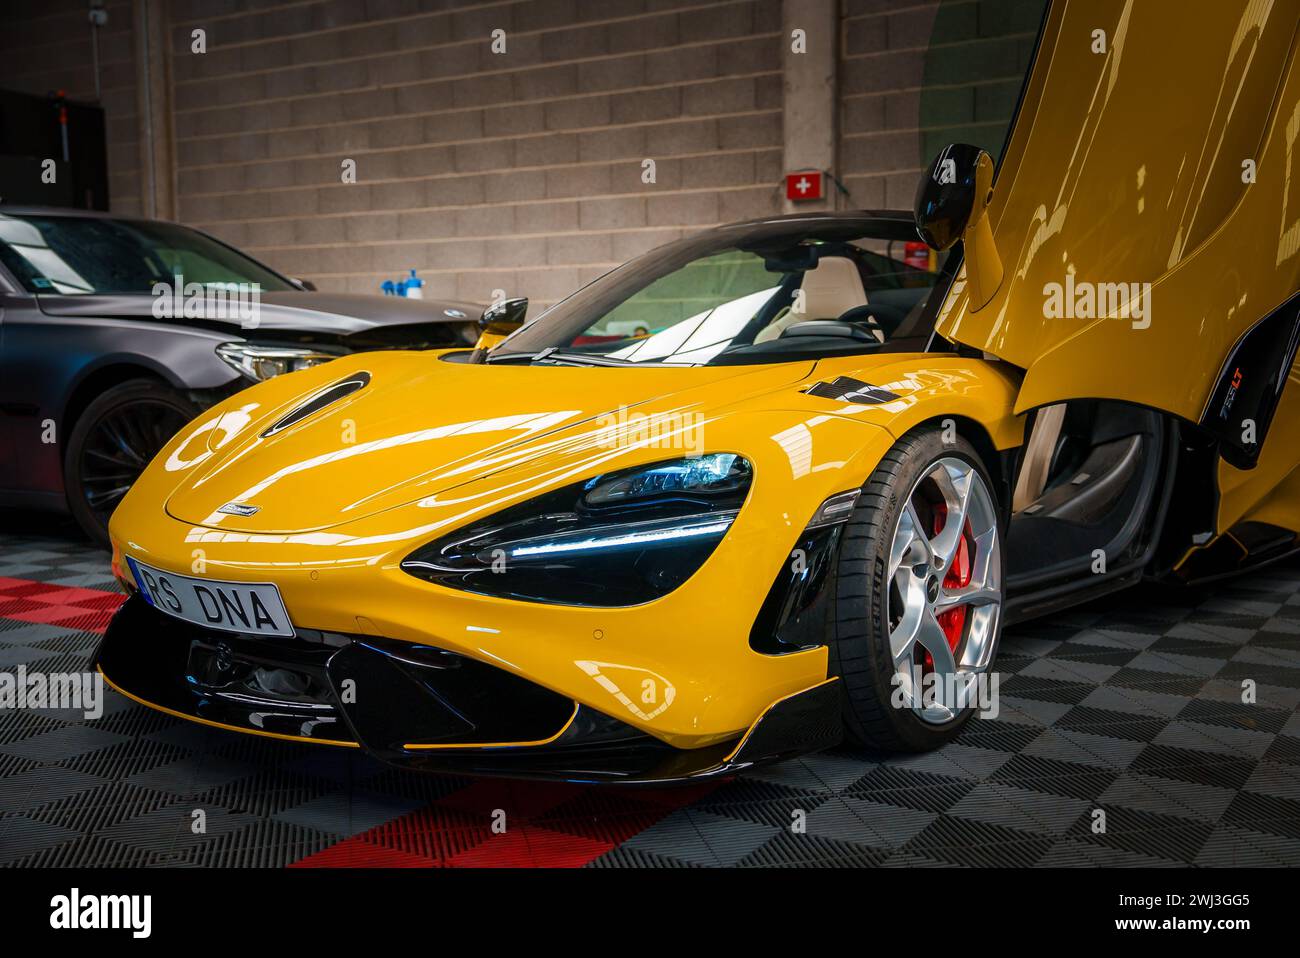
(765, 292)
(48, 253)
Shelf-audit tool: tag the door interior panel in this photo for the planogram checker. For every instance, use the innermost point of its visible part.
(1105, 465)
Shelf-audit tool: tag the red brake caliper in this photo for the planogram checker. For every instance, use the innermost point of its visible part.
(953, 622)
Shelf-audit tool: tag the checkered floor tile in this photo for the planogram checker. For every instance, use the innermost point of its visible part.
(1123, 739)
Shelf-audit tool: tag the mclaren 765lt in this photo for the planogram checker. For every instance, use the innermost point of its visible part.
(771, 485)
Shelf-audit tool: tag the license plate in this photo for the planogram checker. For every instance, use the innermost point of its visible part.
(249, 607)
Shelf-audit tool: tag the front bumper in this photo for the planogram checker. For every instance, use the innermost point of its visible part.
(422, 707)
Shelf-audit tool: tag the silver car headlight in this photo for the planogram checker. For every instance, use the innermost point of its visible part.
(261, 362)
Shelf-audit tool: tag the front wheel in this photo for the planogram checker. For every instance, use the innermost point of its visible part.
(111, 443)
(919, 597)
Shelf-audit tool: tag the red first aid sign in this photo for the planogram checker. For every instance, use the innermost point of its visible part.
(805, 185)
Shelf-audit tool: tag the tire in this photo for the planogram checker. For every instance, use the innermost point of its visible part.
(112, 441)
(870, 605)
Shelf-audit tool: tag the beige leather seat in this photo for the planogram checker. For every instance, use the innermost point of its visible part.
(830, 289)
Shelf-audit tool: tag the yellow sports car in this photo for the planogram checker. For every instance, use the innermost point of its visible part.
(808, 502)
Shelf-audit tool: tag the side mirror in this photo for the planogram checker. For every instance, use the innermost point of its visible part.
(306, 285)
(497, 322)
(503, 318)
(952, 202)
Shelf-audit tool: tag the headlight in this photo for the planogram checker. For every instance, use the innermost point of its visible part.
(262, 362)
(619, 539)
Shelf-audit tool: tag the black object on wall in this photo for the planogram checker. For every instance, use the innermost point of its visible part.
(32, 133)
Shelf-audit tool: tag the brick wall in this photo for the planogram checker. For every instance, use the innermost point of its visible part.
(45, 46)
(915, 76)
(519, 171)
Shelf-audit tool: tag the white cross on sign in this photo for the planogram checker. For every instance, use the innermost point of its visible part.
(803, 185)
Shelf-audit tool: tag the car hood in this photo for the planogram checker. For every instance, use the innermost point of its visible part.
(421, 426)
(329, 315)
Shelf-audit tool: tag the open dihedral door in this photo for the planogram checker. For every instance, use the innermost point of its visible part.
(1147, 214)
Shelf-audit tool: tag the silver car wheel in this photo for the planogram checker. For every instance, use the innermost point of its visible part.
(945, 590)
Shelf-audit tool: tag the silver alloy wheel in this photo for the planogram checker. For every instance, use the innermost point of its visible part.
(945, 590)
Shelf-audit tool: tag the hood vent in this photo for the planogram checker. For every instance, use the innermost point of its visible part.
(319, 400)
